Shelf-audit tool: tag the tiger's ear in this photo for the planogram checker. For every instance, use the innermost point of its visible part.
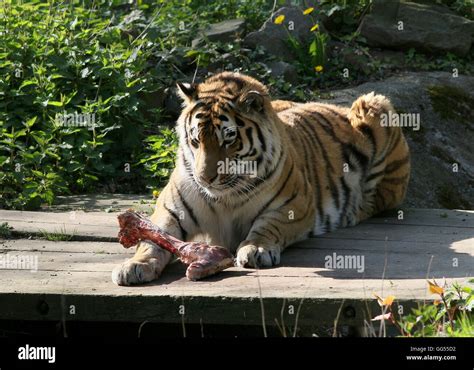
(187, 92)
(252, 100)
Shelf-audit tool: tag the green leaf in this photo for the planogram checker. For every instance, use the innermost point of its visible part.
(313, 48)
(134, 82)
(191, 53)
(30, 122)
(55, 103)
(27, 83)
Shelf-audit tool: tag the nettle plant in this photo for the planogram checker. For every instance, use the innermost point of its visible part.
(67, 60)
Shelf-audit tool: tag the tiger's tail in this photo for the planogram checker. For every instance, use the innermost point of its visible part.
(368, 109)
(387, 179)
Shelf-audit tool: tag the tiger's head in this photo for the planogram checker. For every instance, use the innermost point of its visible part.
(229, 135)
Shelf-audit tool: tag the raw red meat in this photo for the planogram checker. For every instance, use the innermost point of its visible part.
(203, 259)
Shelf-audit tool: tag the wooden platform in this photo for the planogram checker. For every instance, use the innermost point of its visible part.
(73, 281)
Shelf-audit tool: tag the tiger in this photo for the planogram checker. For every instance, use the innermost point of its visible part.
(317, 167)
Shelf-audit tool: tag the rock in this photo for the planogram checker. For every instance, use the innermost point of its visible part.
(445, 138)
(285, 70)
(274, 37)
(225, 31)
(425, 27)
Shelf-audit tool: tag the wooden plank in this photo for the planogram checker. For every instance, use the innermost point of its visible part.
(77, 232)
(60, 218)
(296, 261)
(229, 284)
(461, 246)
(427, 217)
(218, 301)
(103, 226)
(41, 245)
(426, 234)
(313, 313)
(100, 202)
(393, 246)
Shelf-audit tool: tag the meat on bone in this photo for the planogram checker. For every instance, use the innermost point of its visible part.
(203, 260)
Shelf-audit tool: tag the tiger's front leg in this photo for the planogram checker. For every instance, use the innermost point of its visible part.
(290, 220)
(150, 260)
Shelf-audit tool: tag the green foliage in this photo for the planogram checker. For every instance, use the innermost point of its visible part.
(450, 315)
(317, 49)
(160, 157)
(62, 59)
(255, 12)
(5, 230)
(462, 7)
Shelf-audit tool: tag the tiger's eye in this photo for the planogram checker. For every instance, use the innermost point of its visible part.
(230, 132)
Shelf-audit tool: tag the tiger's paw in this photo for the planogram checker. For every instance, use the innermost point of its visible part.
(252, 256)
(134, 272)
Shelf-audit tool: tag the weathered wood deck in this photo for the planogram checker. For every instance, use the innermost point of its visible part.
(398, 257)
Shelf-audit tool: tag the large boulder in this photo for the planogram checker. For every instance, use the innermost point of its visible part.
(274, 37)
(444, 141)
(429, 28)
(225, 31)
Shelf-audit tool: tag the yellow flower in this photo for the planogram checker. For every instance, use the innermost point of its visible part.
(314, 28)
(156, 193)
(318, 68)
(308, 11)
(279, 19)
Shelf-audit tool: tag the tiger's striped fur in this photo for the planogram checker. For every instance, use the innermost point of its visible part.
(319, 167)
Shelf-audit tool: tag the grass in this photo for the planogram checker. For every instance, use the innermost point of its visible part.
(5, 230)
(60, 235)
